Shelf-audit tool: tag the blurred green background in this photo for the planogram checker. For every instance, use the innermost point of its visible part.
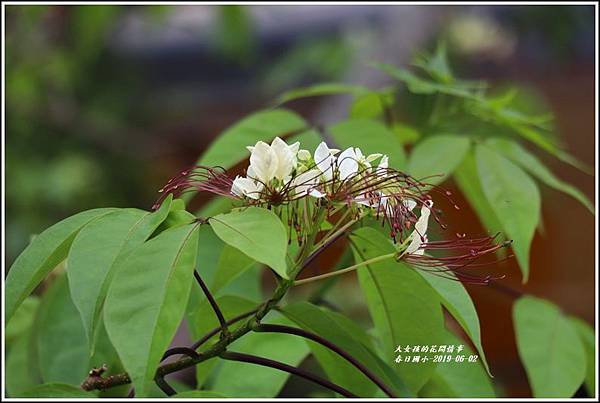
(105, 103)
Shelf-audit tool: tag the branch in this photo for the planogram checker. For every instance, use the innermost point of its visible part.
(216, 330)
(212, 301)
(96, 381)
(315, 337)
(286, 368)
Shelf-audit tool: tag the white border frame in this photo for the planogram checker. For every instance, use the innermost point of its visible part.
(432, 3)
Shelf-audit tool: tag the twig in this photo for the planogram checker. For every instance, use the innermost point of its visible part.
(95, 380)
(286, 368)
(164, 386)
(212, 302)
(346, 270)
(180, 350)
(315, 337)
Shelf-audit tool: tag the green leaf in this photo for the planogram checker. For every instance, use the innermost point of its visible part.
(514, 198)
(329, 326)
(467, 179)
(257, 232)
(437, 65)
(42, 255)
(372, 104)
(586, 335)
(61, 342)
(96, 253)
(533, 165)
(216, 205)
(542, 139)
(458, 379)
(406, 134)
(20, 372)
(238, 379)
(156, 392)
(550, 348)
(457, 301)
(426, 158)
(58, 390)
(62, 347)
(176, 216)
(418, 85)
(404, 307)
(574, 162)
(371, 137)
(197, 394)
(22, 320)
(320, 90)
(232, 264)
(201, 320)
(230, 147)
(210, 248)
(248, 284)
(147, 298)
(367, 106)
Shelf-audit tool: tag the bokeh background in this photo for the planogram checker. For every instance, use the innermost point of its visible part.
(105, 103)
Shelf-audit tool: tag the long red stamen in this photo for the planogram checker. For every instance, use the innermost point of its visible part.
(477, 248)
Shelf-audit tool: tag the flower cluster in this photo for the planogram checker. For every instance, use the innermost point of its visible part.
(285, 170)
(286, 178)
(280, 173)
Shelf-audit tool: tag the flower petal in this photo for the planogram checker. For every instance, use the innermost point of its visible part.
(246, 187)
(286, 157)
(306, 182)
(264, 162)
(373, 157)
(324, 161)
(383, 164)
(419, 235)
(347, 163)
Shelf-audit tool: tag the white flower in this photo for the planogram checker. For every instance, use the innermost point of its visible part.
(353, 158)
(347, 163)
(324, 159)
(273, 161)
(263, 162)
(286, 156)
(383, 164)
(419, 235)
(246, 187)
(306, 183)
